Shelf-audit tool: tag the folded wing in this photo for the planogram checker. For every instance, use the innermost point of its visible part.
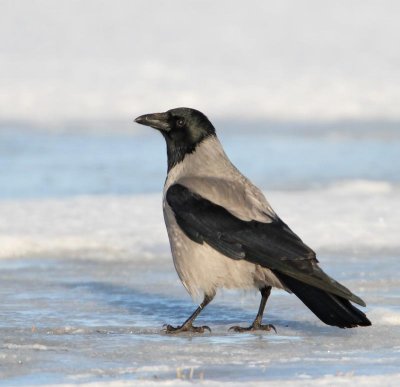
(269, 243)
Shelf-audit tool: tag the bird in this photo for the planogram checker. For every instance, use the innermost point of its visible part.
(223, 232)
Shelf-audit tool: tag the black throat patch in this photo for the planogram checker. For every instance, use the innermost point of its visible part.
(177, 151)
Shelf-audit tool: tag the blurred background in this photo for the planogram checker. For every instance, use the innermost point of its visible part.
(305, 97)
(302, 93)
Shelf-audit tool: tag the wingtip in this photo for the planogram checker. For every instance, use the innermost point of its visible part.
(357, 300)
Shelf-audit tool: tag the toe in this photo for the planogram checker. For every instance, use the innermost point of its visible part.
(237, 328)
(253, 328)
(206, 328)
(267, 327)
(200, 329)
(169, 328)
(185, 328)
(272, 327)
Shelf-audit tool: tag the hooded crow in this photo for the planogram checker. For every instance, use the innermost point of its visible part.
(224, 234)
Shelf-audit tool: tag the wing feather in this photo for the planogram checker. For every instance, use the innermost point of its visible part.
(272, 245)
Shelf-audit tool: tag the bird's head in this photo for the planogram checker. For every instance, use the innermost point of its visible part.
(183, 129)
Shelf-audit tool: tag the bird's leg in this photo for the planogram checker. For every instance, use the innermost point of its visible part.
(187, 325)
(257, 326)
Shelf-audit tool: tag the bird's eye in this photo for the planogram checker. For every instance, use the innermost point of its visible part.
(180, 122)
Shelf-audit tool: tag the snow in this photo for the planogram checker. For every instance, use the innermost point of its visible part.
(346, 216)
(337, 380)
(69, 60)
(88, 282)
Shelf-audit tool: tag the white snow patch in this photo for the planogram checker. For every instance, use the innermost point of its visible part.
(347, 379)
(36, 346)
(353, 216)
(284, 60)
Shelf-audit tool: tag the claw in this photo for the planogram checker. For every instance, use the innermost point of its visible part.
(253, 328)
(185, 328)
(270, 326)
(168, 328)
(236, 328)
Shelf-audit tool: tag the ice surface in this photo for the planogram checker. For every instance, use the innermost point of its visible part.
(88, 282)
(42, 164)
(80, 321)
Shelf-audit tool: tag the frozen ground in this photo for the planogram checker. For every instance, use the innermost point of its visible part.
(87, 280)
(87, 283)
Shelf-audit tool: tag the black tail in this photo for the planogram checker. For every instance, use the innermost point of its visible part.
(329, 308)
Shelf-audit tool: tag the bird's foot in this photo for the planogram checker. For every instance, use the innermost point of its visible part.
(253, 327)
(185, 328)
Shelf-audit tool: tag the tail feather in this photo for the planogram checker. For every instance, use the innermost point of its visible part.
(328, 307)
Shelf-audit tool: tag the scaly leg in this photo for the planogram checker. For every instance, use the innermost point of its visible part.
(257, 326)
(187, 325)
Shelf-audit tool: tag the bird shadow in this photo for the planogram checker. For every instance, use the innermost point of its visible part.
(157, 309)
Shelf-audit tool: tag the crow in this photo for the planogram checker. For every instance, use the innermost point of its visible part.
(224, 234)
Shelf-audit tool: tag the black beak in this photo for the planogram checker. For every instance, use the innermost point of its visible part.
(156, 120)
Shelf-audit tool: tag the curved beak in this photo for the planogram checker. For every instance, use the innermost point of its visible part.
(155, 120)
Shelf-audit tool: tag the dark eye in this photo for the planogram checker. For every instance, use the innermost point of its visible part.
(180, 122)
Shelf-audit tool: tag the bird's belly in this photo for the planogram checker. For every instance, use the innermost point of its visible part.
(202, 269)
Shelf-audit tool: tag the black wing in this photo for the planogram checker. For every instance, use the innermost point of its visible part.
(272, 245)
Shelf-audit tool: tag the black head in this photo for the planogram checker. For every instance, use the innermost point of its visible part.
(183, 129)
